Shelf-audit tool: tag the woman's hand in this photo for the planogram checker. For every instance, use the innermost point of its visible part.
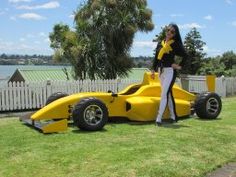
(153, 74)
(176, 66)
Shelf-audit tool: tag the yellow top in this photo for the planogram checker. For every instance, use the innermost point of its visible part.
(166, 48)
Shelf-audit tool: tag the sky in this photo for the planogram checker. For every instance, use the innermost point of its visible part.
(26, 24)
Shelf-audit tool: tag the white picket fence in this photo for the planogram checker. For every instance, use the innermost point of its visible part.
(225, 87)
(26, 96)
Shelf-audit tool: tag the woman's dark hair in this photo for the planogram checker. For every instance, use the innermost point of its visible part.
(177, 36)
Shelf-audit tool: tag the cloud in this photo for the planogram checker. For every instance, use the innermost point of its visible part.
(190, 26)
(46, 40)
(143, 48)
(49, 5)
(2, 12)
(212, 52)
(42, 34)
(5, 45)
(35, 35)
(233, 23)
(16, 1)
(23, 48)
(37, 42)
(31, 16)
(208, 17)
(72, 16)
(156, 15)
(30, 36)
(22, 39)
(176, 15)
(230, 2)
(13, 18)
(144, 44)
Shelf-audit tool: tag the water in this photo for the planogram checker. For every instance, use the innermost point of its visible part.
(6, 71)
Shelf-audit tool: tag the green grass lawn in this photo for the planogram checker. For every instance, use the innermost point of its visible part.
(192, 147)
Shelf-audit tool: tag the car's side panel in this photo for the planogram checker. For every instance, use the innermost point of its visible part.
(154, 90)
(116, 107)
(146, 108)
(142, 108)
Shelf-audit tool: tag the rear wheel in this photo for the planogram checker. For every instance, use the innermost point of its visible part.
(90, 114)
(208, 105)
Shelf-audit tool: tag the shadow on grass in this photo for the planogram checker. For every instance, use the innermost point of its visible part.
(208, 120)
(79, 131)
(173, 126)
(120, 120)
(165, 123)
(123, 120)
(39, 130)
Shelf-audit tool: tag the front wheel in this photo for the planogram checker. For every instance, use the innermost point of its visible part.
(90, 114)
(208, 105)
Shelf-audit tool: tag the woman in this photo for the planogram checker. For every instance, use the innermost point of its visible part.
(164, 63)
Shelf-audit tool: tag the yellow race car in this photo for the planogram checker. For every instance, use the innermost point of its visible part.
(138, 102)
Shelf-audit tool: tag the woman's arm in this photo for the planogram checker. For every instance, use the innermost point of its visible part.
(176, 66)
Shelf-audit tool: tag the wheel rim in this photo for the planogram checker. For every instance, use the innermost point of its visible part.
(93, 115)
(212, 105)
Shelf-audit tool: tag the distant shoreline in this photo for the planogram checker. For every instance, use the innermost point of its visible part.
(6, 71)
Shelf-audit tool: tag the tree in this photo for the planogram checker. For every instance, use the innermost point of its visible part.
(159, 37)
(212, 65)
(4, 56)
(103, 36)
(194, 48)
(229, 59)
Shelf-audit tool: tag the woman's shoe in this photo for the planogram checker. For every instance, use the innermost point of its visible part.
(173, 121)
(176, 119)
(158, 124)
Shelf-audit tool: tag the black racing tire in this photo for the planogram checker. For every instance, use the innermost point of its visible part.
(55, 96)
(90, 114)
(208, 105)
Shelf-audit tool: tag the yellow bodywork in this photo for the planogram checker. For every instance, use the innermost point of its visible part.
(210, 79)
(137, 102)
(57, 126)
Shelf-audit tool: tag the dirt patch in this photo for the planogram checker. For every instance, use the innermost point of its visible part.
(228, 170)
